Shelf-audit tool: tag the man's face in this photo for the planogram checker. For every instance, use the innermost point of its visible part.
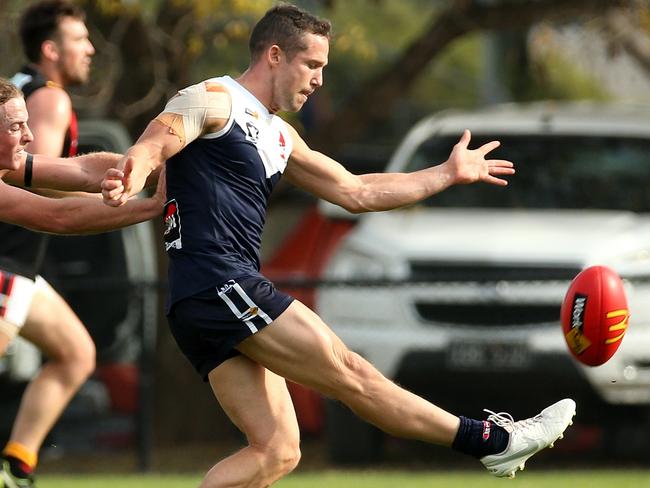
(75, 51)
(296, 79)
(14, 132)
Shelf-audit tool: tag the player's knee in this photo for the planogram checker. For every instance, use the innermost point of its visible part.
(292, 460)
(78, 360)
(282, 459)
(86, 360)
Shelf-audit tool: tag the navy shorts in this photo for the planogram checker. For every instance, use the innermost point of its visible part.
(208, 326)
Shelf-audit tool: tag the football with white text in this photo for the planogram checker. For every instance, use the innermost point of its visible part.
(595, 315)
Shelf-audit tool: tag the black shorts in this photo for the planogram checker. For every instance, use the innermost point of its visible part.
(208, 326)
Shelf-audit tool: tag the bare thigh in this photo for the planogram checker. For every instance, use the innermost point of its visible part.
(53, 326)
(256, 400)
(299, 346)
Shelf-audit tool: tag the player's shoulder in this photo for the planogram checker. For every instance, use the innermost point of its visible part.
(215, 85)
(211, 85)
(288, 127)
(206, 93)
(52, 99)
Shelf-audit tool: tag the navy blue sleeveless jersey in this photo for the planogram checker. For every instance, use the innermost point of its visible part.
(218, 188)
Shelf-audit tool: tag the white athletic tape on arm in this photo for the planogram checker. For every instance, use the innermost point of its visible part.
(198, 105)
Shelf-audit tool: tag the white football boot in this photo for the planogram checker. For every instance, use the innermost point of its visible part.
(528, 437)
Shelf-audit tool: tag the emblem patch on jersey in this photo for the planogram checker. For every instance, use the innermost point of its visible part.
(283, 146)
(252, 113)
(252, 133)
(172, 222)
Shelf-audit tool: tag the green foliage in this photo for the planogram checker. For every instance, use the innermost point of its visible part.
(184, 41)
(116, 8)
(219, 37)
(453, 79)
(368, 35)
(559, 79)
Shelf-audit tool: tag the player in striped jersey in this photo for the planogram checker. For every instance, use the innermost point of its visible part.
(58, 54)
(28, 305)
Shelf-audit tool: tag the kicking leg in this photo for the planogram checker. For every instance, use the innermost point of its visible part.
(300, 347)
(258, 403)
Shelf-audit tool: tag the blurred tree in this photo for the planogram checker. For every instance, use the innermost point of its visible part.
(155, 47)
(376, 96)
(399, 58)
(623, 29)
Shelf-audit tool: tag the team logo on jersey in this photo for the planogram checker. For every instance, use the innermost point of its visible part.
(283, 146)
(252, 133)
(252, 113)
(225, 288)
(172, 222)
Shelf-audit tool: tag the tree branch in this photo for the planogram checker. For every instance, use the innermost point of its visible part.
(377, 95)
(626, 35)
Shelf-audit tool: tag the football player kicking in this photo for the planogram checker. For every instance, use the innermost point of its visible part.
(225, 148)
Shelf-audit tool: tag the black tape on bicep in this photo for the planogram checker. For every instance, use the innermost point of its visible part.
(29, 164)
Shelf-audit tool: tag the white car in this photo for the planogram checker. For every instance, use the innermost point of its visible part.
(458, 298)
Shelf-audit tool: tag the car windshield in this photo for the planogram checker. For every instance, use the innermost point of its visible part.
(553, 171)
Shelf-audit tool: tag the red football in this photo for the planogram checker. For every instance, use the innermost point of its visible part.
(594, 315)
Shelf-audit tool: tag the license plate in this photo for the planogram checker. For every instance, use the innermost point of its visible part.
(487, 355)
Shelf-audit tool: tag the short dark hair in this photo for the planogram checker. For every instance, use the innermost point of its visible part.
(8, 91)
(285, 25)
(40, 22)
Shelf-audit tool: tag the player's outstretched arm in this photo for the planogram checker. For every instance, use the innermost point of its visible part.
(329, 180)
(79, 173)
(76, 215)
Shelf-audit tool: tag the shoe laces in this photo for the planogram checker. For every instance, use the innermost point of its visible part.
(505, 420)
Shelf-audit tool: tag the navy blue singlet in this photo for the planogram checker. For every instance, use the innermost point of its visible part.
(218, 188)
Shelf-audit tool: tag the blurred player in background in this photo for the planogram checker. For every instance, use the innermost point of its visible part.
(56, 44)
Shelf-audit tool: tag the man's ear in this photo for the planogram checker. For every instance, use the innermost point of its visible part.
(50, 50)
(274, 54)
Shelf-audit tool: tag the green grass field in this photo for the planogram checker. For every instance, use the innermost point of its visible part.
(377, 479)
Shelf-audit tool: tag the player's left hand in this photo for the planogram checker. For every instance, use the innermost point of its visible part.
(469, 165)
(113, 187)
(118, 188)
